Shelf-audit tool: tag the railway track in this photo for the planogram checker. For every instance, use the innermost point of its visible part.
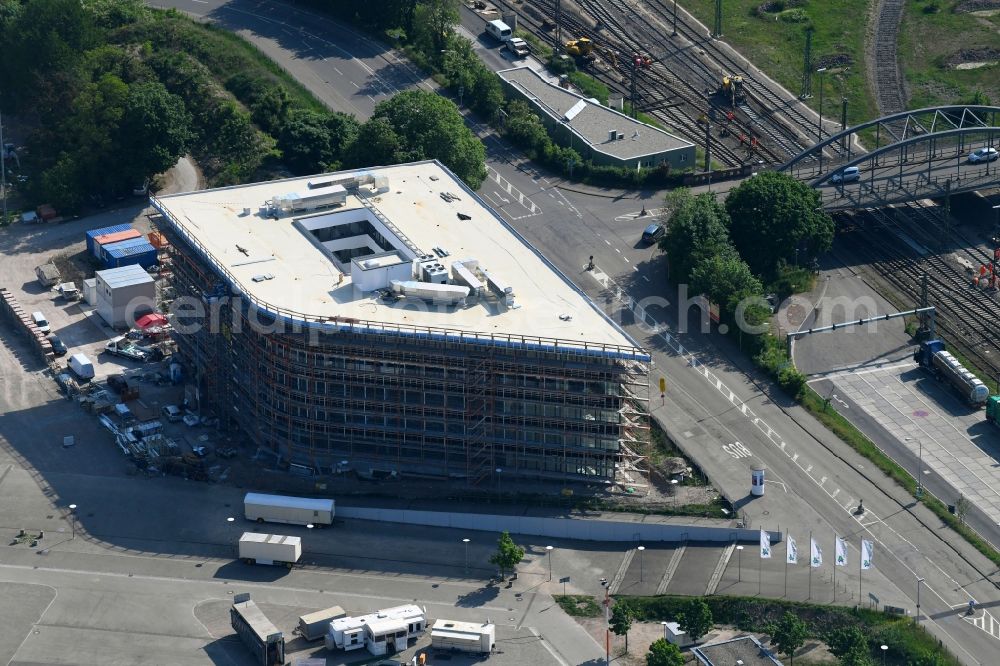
(680, 112)
(965, 314)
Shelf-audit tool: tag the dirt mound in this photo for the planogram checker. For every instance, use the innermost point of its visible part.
(983, 54)
(835, 60)
(976, 6)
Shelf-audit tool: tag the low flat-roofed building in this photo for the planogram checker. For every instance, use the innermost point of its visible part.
(391, 319)
(744, 650)
(124, 294)
(597, 132)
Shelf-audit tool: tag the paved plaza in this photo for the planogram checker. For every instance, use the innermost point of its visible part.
(954, 440)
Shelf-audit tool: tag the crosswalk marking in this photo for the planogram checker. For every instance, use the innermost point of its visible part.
(986, 622)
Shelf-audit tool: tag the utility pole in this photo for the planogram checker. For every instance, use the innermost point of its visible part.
(708, 145)
(807, 66)
(558, 24)
(717, 29)
(843, 120)
(819, 125)
(3, 173)
(675, 18)
(635, 68)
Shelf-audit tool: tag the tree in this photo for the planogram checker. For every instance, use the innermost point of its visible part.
(790, 635)
(696, 229)
(375, 143)
(663, 653)
(622, 617)
(774, 218)
(962, 506)
(312, 141)
(857, 656)
(843, 640)
(429, 126)
(726, 280)
(508, 554)
(696, 619)
(155, 130)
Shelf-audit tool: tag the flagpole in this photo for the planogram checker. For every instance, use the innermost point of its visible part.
(786, 567)
(810, 566)
(834, 567)
(760, 573)
(861, 560)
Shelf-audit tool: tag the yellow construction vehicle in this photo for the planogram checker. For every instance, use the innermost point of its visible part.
(580, 48)
(732, 87)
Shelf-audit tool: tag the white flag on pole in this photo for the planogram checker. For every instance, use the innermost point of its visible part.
(765, 545)
(792, 552)
(867, 550)
(816, 555)
(841, 552)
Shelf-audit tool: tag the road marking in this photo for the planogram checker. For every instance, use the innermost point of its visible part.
(652, 212)
(737, 450)
(338, 71)
(355, 85)
(986, 622)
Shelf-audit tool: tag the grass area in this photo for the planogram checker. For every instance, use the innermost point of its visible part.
(931, 38)
(908, 642)
(224, 53)
(539, 49)
(774, 42)
(578, 605)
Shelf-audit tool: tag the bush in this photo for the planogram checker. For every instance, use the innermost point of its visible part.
(589, 86)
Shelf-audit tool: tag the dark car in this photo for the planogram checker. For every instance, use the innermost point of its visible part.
(117, 383)
(57, 345)
(653, 233)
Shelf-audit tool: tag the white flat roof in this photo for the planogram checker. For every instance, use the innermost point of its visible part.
(124, 276)
(310, 503)
(308, 284)
(460, 629)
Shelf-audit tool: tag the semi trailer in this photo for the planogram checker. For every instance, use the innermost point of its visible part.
(270, 549)
(290, 510)
(933, 356)
(261, 637)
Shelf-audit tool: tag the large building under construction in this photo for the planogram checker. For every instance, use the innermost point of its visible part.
(391, 320)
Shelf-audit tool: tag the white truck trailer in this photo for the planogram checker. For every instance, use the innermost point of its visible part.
(290, 510)
(270, 549)
(260, 636)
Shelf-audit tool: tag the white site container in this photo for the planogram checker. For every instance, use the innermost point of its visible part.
(270, 549)
(315, 625)
(290, 510)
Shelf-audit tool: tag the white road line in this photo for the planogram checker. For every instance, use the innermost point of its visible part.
(355, 85)
(338, 71)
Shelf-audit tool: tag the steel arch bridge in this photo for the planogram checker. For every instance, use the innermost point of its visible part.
(918, 154)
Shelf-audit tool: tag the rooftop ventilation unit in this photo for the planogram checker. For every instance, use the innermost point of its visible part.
(433, 271)
(500, 289)
(293, 202)
(612, 134)
(441, 294)
(463, 273)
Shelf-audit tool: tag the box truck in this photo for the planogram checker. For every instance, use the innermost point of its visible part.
(464, 636)
(314, 626)
(290, 510)
(260, 636)
(81, 366)
(270, 549)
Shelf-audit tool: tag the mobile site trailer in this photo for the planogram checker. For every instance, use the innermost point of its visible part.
(352, 633)
(315, 625)
(260, 636)
(464, 636)
(289, 510)
(270, 549)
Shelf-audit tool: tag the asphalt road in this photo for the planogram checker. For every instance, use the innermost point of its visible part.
(713, 403)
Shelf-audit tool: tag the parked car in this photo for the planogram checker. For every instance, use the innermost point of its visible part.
(200, 451)
(58, 348)
(653, 233)
(172, 413)
(226, 452)
(848, 175)
(983, 155)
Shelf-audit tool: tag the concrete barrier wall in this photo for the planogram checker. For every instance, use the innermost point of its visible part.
(563, 528)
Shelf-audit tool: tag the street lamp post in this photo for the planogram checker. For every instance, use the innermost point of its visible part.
(884, 649)
(673, 484)
(664, 630)
(920, 469)
(466, 542)
(919, 581)
(548, 551)
(819, 127)
(499, 470)
(72, 508)
(640, 549)
(739, 563)
(236, 546)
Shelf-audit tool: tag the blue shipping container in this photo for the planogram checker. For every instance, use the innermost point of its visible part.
(128, 253)
(94, 233)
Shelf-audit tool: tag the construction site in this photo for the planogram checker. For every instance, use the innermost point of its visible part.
(392, 323)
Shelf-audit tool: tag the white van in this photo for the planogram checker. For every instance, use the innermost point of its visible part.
(499, 30)
(41, 322)
(81, 366)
